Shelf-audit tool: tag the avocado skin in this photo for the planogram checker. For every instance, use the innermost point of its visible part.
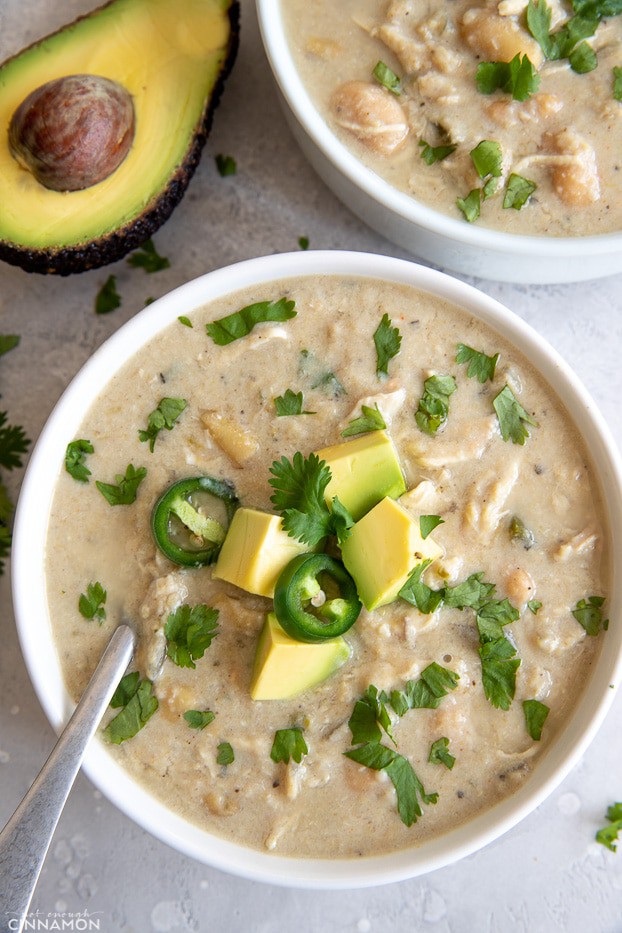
(118, 243)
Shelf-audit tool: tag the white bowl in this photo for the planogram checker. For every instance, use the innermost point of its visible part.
(33, 617)
(470, 249)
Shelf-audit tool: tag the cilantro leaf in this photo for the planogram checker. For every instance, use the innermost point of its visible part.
(299, 494)
(499, 666)
(439, 679)
(487, 158)
(124, 492)
(492, 616)
(138, 706)
(534, 605)
(388, 341)
(199, 719)
(472, 593)
(588, 613)
(434, 683)
(427, 524)
(471, 205)
(517, 77)
(74, 459)
(565, 42)
(108, 298)
(290, 403)
(341, 521)
(431, 154)
(185, 320)
(608, 836)
(387, 78)
(287, 744)
(370, 420)
(13, 443)
(617, 83)
(226, 755)
(481, 366)
(440, 754)
(226, 165)
(420, 594)
(189, 632)
(583, 59)
(434, 403)
(535, 717)
(369, 714)
(147, 258)
(91, 604)
(303, 242)
(518, 192)
(239, 324)
(408, 787)
(8, 342)
(164, 416)
(512, 417)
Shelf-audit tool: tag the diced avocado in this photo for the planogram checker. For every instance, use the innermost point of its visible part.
(383, 549)
(364, 471)
(171, 56)
(284, 667)
(255, 551)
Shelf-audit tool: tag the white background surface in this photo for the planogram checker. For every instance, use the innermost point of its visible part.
(547, 874)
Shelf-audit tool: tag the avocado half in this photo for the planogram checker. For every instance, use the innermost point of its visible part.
(173, 57)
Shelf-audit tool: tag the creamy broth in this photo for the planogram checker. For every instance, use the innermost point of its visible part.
(328, 806)
(566, 138)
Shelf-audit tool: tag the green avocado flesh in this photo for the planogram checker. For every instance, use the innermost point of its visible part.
(172, 56)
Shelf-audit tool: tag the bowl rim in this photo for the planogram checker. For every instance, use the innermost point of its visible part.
(30, 602)
(405, 206)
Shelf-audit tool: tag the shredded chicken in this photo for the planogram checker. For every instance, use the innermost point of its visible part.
(580, 543)
(486, 507)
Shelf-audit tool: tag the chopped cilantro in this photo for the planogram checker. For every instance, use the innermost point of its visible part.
(13, 443)
(588, 613)
(388, 341)
(299, 494)
(431, 154)
(290, 403)
(492, 616)
(227, 329)
(487, 158)
(147, 258)
(440, 754)
(471, 205)
(583, 59)
(517, 77)
(518, 192)
(434, 404)
(189, 632)
(370, 420)
(124, 492)
(434, 683)
(535, 717)
(185, 320)
(534, 605)
(472, 593)
(303, 242)
(408, 788)
(107, 298)
(481, 366)
(91, 604)
(387, 78)
(427, 524)
(8, 342)
(567, 41)
(137, 704)
(74, 459)
(342, 521)
(499, 666)
(226, 165)
(225, 754)
(512, 417)
(199, 719)
(418, 593)
(608, 836)
(370, 713)
(164, 416)
(287, 744)
(617, 82)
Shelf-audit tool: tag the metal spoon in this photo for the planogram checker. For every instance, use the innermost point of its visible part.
(25, 839)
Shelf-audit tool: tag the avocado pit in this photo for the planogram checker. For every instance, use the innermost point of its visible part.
(73, 132)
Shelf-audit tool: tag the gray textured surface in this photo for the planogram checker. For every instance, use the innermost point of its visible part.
(547, 875)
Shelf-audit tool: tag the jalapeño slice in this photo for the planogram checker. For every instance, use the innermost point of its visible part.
(315, 598)
(182, 520)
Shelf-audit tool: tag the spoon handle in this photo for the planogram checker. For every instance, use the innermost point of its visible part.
(25, 839)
